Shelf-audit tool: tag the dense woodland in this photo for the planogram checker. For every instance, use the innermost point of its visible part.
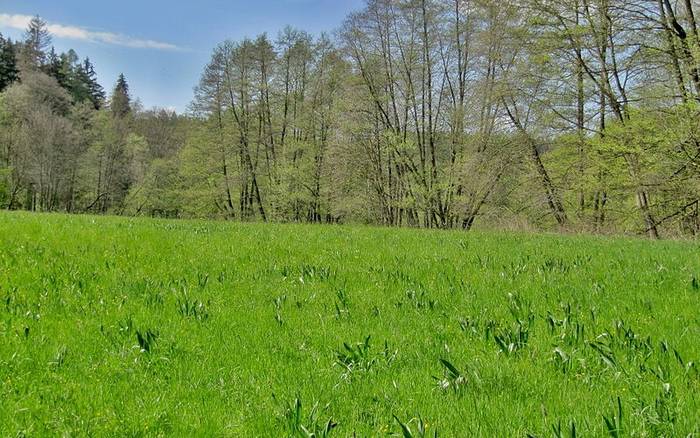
(577, 115)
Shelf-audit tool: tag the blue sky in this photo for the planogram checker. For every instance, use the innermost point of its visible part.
(162, 45)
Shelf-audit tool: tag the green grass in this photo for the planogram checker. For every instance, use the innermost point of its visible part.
(138, 327)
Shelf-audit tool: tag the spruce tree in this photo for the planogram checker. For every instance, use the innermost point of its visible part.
(37, 41)
(69, 68)
(8, 63)
(54, 68)
(95, 91)
(79, 86)
(121, 102)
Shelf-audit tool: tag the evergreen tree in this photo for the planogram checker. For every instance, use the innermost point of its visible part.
(96, 93)
(79, 79)
(79, 86)
(37, 41)
(54, 68)
(69, 68)
(121, 102)
(8, 63)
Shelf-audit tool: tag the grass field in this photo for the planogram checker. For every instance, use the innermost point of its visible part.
(137, 327)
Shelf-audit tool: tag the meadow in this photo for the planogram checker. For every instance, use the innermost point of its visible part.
(142, 327)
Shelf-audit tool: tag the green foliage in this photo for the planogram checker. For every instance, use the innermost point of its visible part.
(9, 71)
(5, 175)
(297, 425)
(142, 325)
(120, 101)
(306, 129)
(37, 40)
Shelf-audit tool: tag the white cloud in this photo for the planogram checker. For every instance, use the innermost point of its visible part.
(78, 33)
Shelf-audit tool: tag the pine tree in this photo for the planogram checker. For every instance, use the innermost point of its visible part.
(8, 63)
(121, 102)
(37, 41)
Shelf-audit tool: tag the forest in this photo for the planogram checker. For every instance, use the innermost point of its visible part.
(569, 115)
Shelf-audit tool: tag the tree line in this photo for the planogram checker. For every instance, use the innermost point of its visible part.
(562, 115)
